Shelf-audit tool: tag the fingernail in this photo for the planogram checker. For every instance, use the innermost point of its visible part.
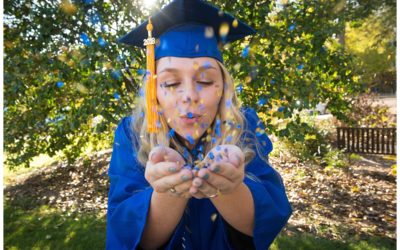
(172, 169)
(184, 177)
(216, 169)
(206, 176)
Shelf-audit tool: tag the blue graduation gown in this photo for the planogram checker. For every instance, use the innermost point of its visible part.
(201, 227)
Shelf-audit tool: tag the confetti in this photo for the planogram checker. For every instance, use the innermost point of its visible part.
(104, 28)
(239, 88)
(189, 115)
(292, 27)
(88, 1)
(218, 128)
(224, 30)
(300, 67)
(213, 140)
(281, 109)
(229, 138)
(94, 18)
(211, 155)
(158, 124)
(207, 65)
(245, 52)
(261, 102)
(101, 42)
(116, 96)
(228, 103)
(209, 32)
(235, 23)
(140, 71)
(116, 74)
(272, 81)
(190, 139)
(68, 7)
(60, 84)
(85, 39)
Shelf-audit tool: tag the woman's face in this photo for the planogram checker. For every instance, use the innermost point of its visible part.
(189, 91)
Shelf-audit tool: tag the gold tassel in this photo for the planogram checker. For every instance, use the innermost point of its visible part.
(151, 88)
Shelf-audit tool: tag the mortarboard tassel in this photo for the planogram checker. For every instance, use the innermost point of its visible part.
(151, 89)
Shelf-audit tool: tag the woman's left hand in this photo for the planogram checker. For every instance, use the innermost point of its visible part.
(223, 174)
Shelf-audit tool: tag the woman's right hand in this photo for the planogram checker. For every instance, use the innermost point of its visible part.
(166, 174)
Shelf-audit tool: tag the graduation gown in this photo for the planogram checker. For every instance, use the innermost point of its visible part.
(201, 227)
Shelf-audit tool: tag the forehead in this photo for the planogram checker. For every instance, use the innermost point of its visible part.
(181, 63)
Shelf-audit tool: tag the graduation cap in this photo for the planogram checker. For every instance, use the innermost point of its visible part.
(184, 28)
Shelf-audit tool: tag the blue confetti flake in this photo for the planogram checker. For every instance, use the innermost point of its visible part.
(218, 128)
(229, 138)
(281, 109)
(199, 88)
(292, 27)
(200, 156)
(94, 18)
(85, 39)
(261, 102)
(60, 84)
(245, 52)
(102, 42)
(239, 88)
(158, 124)
(141, 115)
(141, 92)
(211, 155)
(228, 103)
(171, 133)
(88, 1)
(207, 65)
(272, 81)
(186, 154)
(300, 67)
(116, 96)
(190, 139)
(218, 147)
(213, 140)
(140, 71)
(189, 115)
(116, 74)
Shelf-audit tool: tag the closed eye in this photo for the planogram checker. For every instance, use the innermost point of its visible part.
(169, 85)
(205, 83)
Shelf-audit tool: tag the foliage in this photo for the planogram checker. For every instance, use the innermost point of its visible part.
(373, 44)
(67, 82)
(335, 159)
(366, 112)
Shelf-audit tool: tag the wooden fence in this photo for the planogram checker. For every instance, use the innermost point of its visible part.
(367, 140)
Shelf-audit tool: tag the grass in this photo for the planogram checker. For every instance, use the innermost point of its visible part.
(46, 228)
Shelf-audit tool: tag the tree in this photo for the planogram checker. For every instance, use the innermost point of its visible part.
(67, 81)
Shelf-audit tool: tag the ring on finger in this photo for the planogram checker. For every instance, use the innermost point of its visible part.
(215, 195)
(172, 190)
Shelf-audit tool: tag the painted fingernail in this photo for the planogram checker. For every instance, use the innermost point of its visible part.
(172, 169)
(206, 176)
(184, 177)
(216, 169)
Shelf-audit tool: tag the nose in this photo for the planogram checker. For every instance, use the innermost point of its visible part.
(190, 93)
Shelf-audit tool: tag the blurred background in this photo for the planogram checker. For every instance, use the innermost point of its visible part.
(321, 75)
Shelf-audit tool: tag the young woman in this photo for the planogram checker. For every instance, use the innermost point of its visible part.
(200, 179)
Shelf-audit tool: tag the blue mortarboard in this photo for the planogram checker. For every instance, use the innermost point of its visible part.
(189, 28)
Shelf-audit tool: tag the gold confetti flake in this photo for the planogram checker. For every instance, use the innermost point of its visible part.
(224, 29)
(235, 23)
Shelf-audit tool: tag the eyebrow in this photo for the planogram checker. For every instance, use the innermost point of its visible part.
(175, 70)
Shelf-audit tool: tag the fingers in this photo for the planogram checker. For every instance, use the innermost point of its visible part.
(225, 169)
(162, 153)
(156, 171)
(165, 183)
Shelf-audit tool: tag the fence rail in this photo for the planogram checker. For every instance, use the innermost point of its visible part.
(367, 140)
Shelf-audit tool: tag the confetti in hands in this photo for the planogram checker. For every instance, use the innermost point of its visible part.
(222, 172)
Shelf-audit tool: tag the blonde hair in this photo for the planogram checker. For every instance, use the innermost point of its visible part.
(232, 122)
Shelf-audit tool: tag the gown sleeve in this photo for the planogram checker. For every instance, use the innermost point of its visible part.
(272, 208)
(129, 194)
